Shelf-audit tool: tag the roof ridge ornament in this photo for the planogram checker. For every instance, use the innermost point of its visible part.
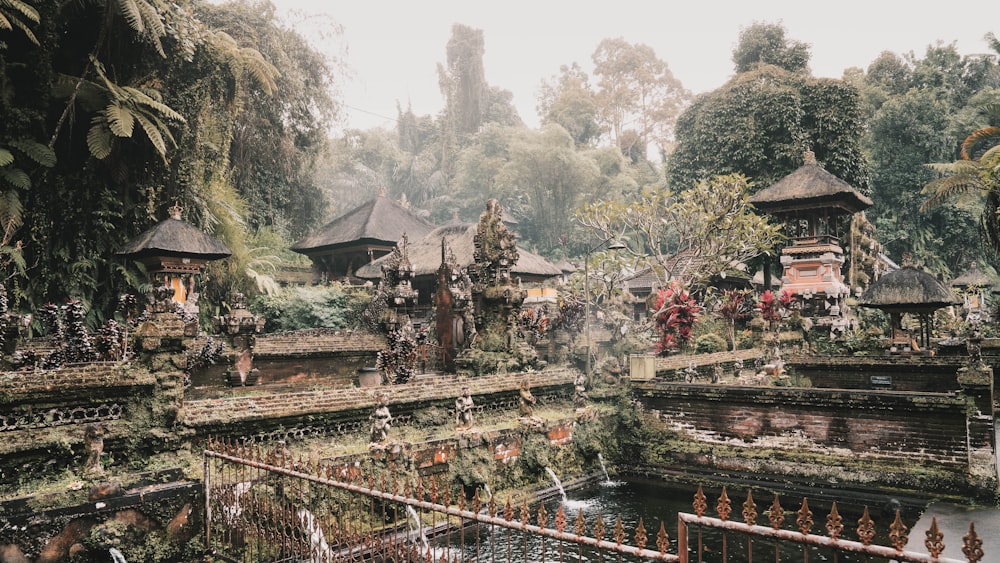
(175, 211)
(809, 157)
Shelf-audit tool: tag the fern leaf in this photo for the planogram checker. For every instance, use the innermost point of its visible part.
(24, 9)
(120, 119)
(154, 25)
(11, 211)
(99, 139)
(16, 177)
(140, 97)
(153, 133)
(957, 167)
(944, 189)
(25, 30)
(263, 72)
(36, 151)
(976, 137)
(6, 157)
(129, 10)
(4, 22)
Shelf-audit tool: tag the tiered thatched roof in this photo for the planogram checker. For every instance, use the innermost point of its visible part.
(810, 187)
(425, 255)
(974, 277)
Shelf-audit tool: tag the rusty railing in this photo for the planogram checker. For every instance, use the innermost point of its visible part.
(264, 505)
(834, 542)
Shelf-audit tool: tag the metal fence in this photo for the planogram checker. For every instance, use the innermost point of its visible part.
(265, 505)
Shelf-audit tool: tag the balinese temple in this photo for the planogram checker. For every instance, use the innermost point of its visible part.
(908, 291)
(174, 252)
(975, 288)
(425, 256)
(366, 233)
(816, 208)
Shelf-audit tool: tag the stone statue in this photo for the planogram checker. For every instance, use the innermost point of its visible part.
(463, 410)
(93, 438)
(580, 390)
(527, 400)
(381, 420)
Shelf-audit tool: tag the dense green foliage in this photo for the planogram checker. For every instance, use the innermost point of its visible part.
(123, 109)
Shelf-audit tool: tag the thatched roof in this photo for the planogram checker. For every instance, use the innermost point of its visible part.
(174, 237)
(810, 187)
(973, 277)
(907, 289)
(425, 255)
(379, 220)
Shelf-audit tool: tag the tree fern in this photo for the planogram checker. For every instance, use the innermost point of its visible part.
(12, 15)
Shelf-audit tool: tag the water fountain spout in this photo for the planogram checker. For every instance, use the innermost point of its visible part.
(555, 480)
(607, 478)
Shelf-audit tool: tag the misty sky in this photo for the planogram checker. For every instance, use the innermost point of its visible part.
(393, 47)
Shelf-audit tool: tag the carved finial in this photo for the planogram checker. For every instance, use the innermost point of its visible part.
(381, 191)
(907, 259)
(175, 211)
(809, 157)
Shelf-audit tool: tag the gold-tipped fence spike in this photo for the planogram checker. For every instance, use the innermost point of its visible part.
(700, 504)
(750, 509)
(662, 539)
(461, 502)
(640, 535)
(776, 514)
(805, 518)
(543, 516)
(446, 496)
(477, 503)
(580, 525)
(599, 527)
(725, 506)
(525, 513)
(508, 511)
(972, 545)
(492, 506)
(935, 539)
(560, 519)
(866, 528)
(834, 523)
(619, 531)
(420, 488)
(434, 490)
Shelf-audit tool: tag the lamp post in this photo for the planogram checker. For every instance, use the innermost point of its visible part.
(614, 245)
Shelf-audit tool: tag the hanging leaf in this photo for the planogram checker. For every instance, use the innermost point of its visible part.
(36, 151)
(120, 120)
(99, 139)
(16, 177)
(6, 157)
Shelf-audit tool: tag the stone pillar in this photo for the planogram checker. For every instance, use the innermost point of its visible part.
(976, 381)
(242, 328)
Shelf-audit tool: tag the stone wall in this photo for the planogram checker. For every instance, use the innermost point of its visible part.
(887, 373)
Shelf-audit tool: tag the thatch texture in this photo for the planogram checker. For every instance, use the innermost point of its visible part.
(909, 290)
(381, 220)
(425, 255)
(810, 187)
(174, 237)
(973, 277)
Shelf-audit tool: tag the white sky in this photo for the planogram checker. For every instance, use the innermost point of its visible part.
(393, 47)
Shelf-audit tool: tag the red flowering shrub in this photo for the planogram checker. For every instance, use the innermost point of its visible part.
(675, 316)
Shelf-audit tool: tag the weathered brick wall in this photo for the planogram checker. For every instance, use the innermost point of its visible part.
(895, 373)
(912, 426)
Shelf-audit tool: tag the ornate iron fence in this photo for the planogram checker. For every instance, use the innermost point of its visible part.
(265, 505)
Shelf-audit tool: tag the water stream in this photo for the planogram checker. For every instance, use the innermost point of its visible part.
(552, 475)
(412, 513)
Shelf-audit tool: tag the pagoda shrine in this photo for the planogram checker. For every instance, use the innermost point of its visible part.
(815, 207)
(173, 253)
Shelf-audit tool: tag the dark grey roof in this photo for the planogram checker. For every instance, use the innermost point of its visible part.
(810, 187)
(973, 277)
(174, 237)
(425, 254)
(907, 289)
(380, 219)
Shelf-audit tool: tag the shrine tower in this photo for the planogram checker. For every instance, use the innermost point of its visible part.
(816, 208)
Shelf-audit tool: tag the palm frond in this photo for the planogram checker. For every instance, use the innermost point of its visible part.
(154, 25)
(6, 157)
(138, 96)
(25, 30)
(25, 9)
(11, 212)
(957, 167)
(263, 72)
(36, 151)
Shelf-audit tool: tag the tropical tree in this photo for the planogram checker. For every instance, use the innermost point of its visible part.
(765, 44)
(688, 236)
(975, 175)
(636, 93)
(569, 101)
